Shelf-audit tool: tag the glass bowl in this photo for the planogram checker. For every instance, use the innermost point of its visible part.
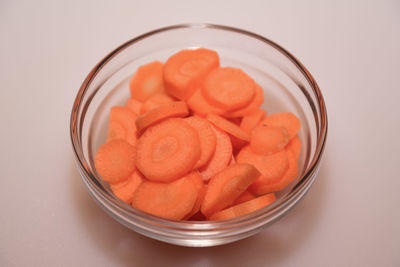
(287, 85)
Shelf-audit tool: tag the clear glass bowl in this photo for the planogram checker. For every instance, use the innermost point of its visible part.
(287, 85)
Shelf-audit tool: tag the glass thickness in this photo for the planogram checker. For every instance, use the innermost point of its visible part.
(287, 86)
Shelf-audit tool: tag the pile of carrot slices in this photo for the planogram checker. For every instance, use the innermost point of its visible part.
(192, 142)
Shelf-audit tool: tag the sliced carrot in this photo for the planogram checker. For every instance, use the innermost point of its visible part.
(261, 187)
(244, 208)
(115, 160)
(228, 127)
(122, 125)
(250, 121)
(168, 150)
(287, 120)
(155, 101)
(147, 81)
(201, 191)
(268, 139)
(200, 106)
(124, 190)
(134, 105)
(294, 146)
(167, 200)
(184, 71)
(272, 167)
(115, 131)
(250, 108)
(228, 88)
(245, 196)
(208, 140)
(226, 186)
(165, 111)
(221, 156)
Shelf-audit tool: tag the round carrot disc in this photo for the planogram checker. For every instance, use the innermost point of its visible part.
(229, 88)
(115, 160)
(168, 150)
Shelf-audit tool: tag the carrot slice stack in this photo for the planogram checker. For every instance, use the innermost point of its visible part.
(192, 142)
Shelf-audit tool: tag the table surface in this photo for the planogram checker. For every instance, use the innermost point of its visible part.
(351, 216)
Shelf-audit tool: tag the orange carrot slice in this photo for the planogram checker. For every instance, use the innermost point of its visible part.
(165, 111)
(244, 208)
(294, 146)
(122, 125)
(167, 200)
(134, 105)
(147, 81)
(208, 140)
(115, 131)
(221, 157)
(250, 108)
(249, 122)
(124, 190)
(226, 186)
(155, 101)
(184, 71)
(261, 187)
(168, 150)
(228, 88)
(268, 139)
(115, 160)
(201, 191)
(228, 127)
(287, 120)
(200, 106)
(272, 167)
(245, 196)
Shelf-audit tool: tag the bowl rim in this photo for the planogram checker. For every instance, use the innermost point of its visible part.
(262, 214)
